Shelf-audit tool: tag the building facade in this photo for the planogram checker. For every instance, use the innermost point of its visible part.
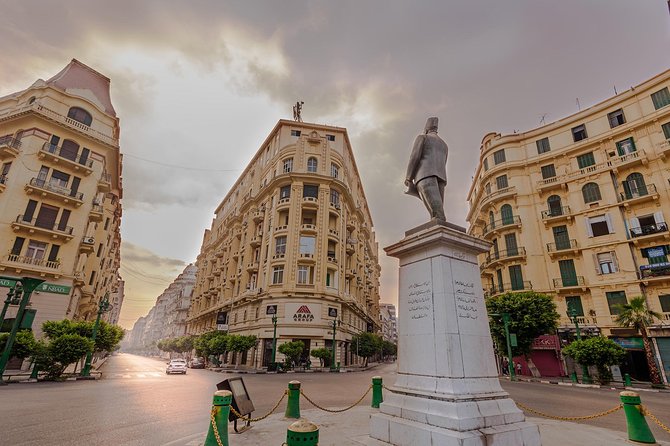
(388, 320)
(578, 209)
(60, 192)
(293, 239)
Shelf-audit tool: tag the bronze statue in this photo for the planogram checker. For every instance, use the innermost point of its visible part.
(297, 110)
(426, 172)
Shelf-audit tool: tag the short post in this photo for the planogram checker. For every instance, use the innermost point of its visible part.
(293, 405)
(218, 423)
(377, 397)
(302, 433)
(626, 380)
(638, 429)
(573, 377)
(35, 372)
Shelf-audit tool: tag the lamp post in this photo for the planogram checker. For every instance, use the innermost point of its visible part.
(510, 361)
(274, 339)
(572, 315)
(28, 285)
(333, 368)
(103, 307)
(13, 298)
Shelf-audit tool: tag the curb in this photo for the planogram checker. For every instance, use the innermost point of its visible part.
(587, 386)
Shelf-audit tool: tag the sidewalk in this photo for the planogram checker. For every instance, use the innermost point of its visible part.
(23, 376)
(638, 386)
(351, 428)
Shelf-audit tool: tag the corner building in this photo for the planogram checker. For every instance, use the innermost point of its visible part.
(294, 238)
(60, 192)
(579, 209)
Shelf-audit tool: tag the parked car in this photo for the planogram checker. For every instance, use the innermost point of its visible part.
(176, 366)
(197, 363)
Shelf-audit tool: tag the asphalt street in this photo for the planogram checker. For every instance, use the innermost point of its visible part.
(136, 403)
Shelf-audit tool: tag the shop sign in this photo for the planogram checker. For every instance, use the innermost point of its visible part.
(42, 288)
(302, 313)
(545, 342)
(630, 343)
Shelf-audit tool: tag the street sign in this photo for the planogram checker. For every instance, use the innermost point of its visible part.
(512, 340)
(271, 309)
(332, 312)
(222, 327)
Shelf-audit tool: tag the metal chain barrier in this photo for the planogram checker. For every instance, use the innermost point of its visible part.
(336, 410)
(586, 417)
(645, 411)
(253, 420)
(214, 428)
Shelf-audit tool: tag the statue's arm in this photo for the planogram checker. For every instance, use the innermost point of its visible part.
(414, 158)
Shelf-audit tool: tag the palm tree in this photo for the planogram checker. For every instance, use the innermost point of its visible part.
(637, 315)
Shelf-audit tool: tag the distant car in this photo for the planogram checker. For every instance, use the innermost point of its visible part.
(176, 366)
(197, 363)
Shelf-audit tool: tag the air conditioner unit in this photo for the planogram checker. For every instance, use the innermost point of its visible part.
(89, 240)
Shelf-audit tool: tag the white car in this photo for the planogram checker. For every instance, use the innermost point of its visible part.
(176, 366)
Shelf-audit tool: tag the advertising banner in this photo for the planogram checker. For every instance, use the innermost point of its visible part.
(304, 313)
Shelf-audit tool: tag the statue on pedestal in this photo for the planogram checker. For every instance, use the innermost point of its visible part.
(426, 175)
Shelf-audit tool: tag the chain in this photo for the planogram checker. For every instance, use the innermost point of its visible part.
(586, 417)
(335, 410)
(253, 420)
(214, 428)
(645, 411)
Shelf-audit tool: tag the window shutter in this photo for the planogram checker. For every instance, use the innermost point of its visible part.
(589, 231)
(614, 261)
(53, 254)
(610, 225)
(634, 222)
(597, 264)
(658, 217)
(18, 245)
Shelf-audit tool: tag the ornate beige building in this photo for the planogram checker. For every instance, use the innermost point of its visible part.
(579, 208)
(60, 191)
(294, 238)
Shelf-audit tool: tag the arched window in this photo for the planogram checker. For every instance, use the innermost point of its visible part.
(288, 165)
(312, 164)
(554, 206)
(69, 149)
(634, 186)
(506, 214)
(492, 220)
(80, 115)
(591, 192)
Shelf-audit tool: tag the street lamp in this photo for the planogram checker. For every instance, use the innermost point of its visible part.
(336, 322)
(572, 315)
(13, 298)
(274, 340)
(510, 359)
(28, 285)
(103, 307)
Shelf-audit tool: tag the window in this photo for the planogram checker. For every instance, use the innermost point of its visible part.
(5, 169)
(606, 263)
(330, 137)
(600, 225)
(579, 133)
(288, 165)
(542, 145)
(46, 217)
(511, 245)
(666, 130)
(280, 245)
(295, 132)
(487, 188)
(616, 118)
(586, 160)
(277, 274)
(36, 250)
(614, 299)
(516, 277)
(661, 98)
(92, 278)
(634, 186)
(312, 164)
(106, 223)
(561, 237)
(574, 303)
(285, 192)
(554, 206)
(335, 198)
(506, 214)
(305, 275)
(501, 182)
(665, 302)
(568, 272)
(625, 147)
(486, 164)
(18, 245)
(499, 157)
(656, 254)
(591, 192)
(80, 115)
(334, 170)
(310, 190)
(307, 245)
(331, 278)
(548, 171)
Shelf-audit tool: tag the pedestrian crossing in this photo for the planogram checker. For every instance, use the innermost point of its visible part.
(133, 375)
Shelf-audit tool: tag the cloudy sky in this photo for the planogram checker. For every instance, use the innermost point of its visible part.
(199, 84)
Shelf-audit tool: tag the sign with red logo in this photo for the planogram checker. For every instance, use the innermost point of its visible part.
(303, 313)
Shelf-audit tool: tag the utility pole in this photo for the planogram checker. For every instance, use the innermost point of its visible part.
(103, 307)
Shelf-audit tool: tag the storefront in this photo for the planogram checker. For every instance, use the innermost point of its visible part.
(635, 362)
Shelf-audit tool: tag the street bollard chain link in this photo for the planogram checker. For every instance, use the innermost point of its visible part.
(212, 416)
(586, 417)
(336, 410)
(253, 420)
(645, 411)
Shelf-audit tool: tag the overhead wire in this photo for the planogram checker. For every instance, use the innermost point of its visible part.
(175, 166)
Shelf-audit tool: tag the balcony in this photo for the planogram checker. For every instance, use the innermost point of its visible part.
(351, 224)
(235, 255)
(494, 290)
(256, 241)
(308, 227)
(555, 182)
(506, 192)
(351, 246)
(331, 257)
(333, 233)
(9, 147)
(350, 273)
(307, 256)
(258, 216)
(630, 160)
(284, 202)
(55, 192)
(76, 162)
(252, 267)
(281, 228)
(505, 255)
(641, 194)
(569, 283)
(664, 148)
(649, 232)
(564, 247)
(21, 263)
(556, 214)
(87, 244)
(335, 206)
(96, 213)
(55, 231)
(105, 182)
(310, 202)
(505, 223)
(278, 256)
(3, 182)
(657, 272)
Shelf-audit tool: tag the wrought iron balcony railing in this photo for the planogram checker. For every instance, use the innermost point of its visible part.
(649, 229)
(566, 282)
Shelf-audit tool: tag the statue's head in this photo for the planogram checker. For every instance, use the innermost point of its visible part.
(431, 125)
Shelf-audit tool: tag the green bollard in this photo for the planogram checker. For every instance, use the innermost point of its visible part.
(302, 433)
(638, 429)
(377, 397)
(221, 409)
(573, 377)
(293, 405)
(626, 380)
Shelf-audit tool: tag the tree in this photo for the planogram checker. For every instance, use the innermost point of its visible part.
(240, 344)
(322, 354)
(292, 350)
(23, 346)
(531, 315)
(599, 352)
(365, 345)
(637, 315)
(201, 344)
(107, 338)
(389, 348)
(59, 353)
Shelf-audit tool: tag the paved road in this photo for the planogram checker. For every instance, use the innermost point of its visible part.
(136, 403)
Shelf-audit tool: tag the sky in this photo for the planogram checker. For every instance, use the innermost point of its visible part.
(198, 85)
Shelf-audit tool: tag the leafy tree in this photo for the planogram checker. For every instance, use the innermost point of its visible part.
(366, 344)
(107, 338)
(59, 353)
(218, 344)
(322, 354)
(389, 348)
(185, 344)
(531, 315)
(597, 351)
(240, 344)
(23, 346)
(292, 350)
(201, 343)
(637, 315)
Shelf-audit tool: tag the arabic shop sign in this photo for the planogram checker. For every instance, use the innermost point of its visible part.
(630, 343)
(42, 288)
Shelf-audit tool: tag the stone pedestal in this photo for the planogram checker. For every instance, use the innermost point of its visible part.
(447, 391)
